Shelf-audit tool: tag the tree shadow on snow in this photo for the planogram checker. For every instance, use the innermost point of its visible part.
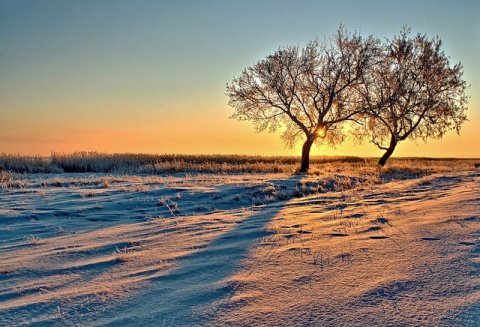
(200, 280)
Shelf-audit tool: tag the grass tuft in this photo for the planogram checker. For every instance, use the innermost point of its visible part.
(122, 255)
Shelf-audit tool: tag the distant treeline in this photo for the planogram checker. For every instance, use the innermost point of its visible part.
(132, 163)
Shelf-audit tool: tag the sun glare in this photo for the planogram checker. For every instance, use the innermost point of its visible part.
(321, 133)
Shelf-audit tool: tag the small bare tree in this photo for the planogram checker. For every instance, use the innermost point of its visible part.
(305, 91)
(412, 92)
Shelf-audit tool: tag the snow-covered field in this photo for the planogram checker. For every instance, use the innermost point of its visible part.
(239, 250)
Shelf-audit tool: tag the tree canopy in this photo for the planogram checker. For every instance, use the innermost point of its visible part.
(412, 92)
(391, 91)
(306, 91)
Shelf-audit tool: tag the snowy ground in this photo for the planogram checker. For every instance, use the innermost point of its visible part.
(239, 250)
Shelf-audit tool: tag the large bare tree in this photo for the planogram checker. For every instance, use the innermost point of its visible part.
(412, 92)
(306, 92)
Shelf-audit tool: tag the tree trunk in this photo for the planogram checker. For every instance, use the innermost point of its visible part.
(306, 154)
(388, 153)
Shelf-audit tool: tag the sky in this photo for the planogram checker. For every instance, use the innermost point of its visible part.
(150, 76)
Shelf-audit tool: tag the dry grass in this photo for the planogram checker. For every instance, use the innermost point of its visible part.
(171, 205)
(133, 173)
(122, 255)
(34, 240)
(27, 164)
(129, 163)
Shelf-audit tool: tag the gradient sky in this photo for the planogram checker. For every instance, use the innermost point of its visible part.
(150, 76)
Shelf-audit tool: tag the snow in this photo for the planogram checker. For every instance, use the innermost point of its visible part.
(239, 250)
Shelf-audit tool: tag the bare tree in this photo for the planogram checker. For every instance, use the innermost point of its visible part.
(411, 93)
(306, 92)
